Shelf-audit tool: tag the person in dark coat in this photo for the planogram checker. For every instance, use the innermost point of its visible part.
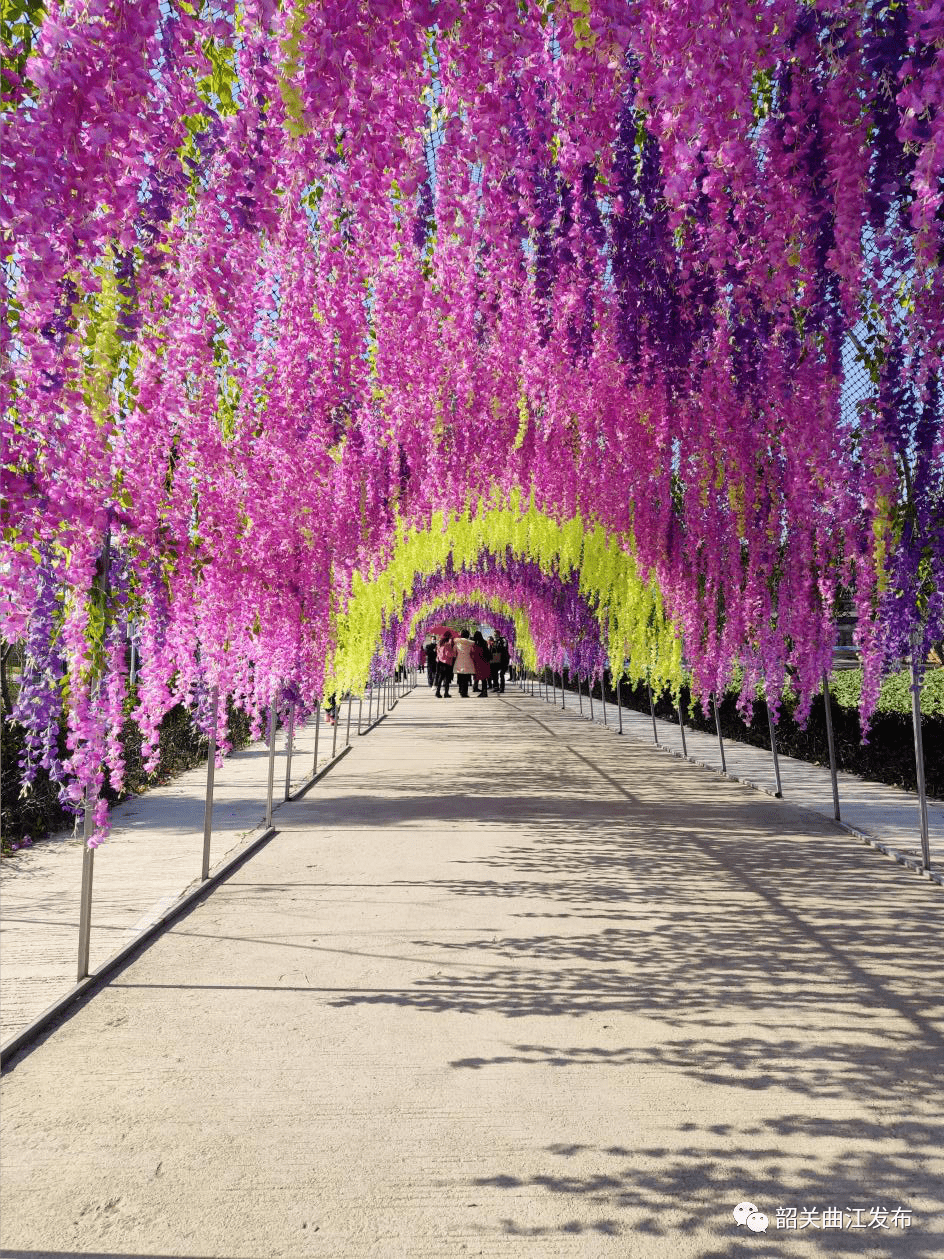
(431, 662)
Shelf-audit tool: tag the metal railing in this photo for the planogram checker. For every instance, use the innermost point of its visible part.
(390, 690)
(843, 659)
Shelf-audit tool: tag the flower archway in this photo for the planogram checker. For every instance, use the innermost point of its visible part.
(288, 281)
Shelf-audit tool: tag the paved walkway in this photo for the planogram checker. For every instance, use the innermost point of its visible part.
(505, 984)
(886, 814)
(152, 856)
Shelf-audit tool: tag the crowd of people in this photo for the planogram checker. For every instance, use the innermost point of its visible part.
(476, 663)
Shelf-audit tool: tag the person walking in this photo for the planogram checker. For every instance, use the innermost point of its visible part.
(430, 652)
(464, 665)
(504, 658)
(480, 662)
(494, 661)
(445, 655)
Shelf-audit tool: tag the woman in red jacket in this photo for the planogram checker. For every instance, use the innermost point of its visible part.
(445, 656)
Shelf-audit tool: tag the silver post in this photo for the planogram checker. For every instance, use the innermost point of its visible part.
(360, 710)
(268, 815)
(211, 770)
(579, 694)
(334, 738)
(714, 700)
(619, 702)
(314, 768)
(553, 687)
(370, 702)
(85, 899)
(652, 713)
(590, 695)
(289, 745)
(133, 677)
(919, 762)
(773, 750)
(347, 733)
(827, 704)
(603, 694)
(563, 693)
(88, 855)
(682, 728)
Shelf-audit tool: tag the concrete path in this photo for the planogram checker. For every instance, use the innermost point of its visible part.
(887, 815)
(152, 856)
(506, 985)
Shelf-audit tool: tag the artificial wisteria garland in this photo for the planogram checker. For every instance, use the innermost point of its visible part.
(290, 283)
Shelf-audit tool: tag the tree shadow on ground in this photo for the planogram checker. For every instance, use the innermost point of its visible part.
(690, 1191)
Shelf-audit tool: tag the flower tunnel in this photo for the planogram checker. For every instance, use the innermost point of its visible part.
(623, 321)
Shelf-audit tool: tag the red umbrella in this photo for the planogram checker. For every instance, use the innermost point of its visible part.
(438, 630)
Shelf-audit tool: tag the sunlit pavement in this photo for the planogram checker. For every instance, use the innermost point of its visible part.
(505, 984)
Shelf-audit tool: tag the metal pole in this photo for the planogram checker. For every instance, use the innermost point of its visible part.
(603, 694)
(682, 728)
(347, 733)
(652, 714)
(334, 739)
(553, 687)
(289, 741)
(88, 828)
(211, 768)
(314, 768)
(370, 702)
(268, 815)
(360, 710)
(919, 763)
(579, 694)
(85, 899)
(827, 704)
(619, 703)
(773, 749)
(590, 696)
(714, 701)
(563, 693)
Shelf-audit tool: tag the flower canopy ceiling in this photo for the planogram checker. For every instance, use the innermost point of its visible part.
(621, 319)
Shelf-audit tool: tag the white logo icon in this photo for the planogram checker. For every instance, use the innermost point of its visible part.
(757, 1221)
(744, 1210)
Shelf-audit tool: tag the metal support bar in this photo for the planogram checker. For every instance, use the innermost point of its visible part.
(370, 702)
(88, 828)
(563, 693)
(360, 710)
(85, 898)
(619, 703)
(335, 708)
(827, 704)
(268, 814)
(579, 695)
(590, 696)
(211, 769)
(314, 768)
(682, 730)
(603, 694)
(773, 750)
(652, 714)
(714, 701)
(919, 764)
(347, 734)
(289, 746)
(553, 688)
